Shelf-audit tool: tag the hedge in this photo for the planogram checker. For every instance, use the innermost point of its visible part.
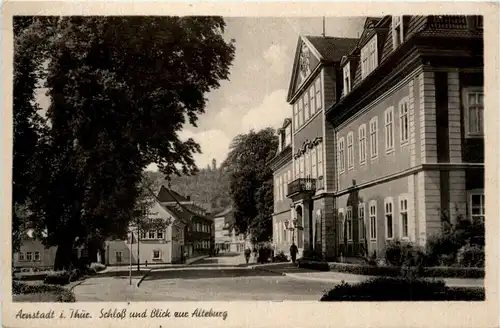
(59, 293)
(391, 271)
(400, 289)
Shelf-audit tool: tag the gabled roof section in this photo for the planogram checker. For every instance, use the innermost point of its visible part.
(323, 50)
(224, 212)
(331, 49)
(368, 30)
(166, 195)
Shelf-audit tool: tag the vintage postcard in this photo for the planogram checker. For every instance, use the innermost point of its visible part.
(250, 164)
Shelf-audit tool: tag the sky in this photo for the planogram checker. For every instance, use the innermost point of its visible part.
(254, 97)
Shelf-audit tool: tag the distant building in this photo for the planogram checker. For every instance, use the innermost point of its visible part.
(33, 254)
(226, 236)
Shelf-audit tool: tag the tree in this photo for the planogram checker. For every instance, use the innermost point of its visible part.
(251, 185)
(120, 89)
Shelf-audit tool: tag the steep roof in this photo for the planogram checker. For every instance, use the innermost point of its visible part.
(166, 195)
(330, 48)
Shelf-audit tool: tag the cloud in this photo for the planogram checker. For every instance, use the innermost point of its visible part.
(276, 58)
(213, 143)
(271, 112)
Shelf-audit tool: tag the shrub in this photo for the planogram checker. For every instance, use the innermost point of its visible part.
(471, 256)
(394, 271)
(42, 292)
(312, 255)
(399, 253)
(281, 257)
(400, 289)
(97, 266)
(264, 254)
(58, 278)
(313, 265)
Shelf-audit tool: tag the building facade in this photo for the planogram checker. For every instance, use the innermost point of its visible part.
(399, 140)
(153, 246)
(226, 236)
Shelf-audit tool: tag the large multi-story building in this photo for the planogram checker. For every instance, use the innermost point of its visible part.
(399, 138)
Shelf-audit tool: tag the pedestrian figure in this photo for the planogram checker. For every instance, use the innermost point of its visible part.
(248, 252)
(293, 252)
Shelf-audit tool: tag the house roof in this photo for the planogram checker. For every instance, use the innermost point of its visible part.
(166, 195)
(225, 211)
(332, 49)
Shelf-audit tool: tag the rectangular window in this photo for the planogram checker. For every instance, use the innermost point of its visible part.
(369, 57)
(362, 144)
(156, 254)
(280, 185)
(404, 134)
(397, 31)
(284, 234)
(350, 150)
(300, 113)
(37, 256)
(288, 135)
(307, 159)
(474, 111)
(319, 154)
(349, 222)
(347, 78)
(21, 256)
(151, 234)
(285, 182)
(295, 117)
(118, 257)
(361, 218)
(319, 100)
(307, 109)
(29, 256)
(296, 167)
(289, 179)
(389, 129)
(389, 224)
(373, 220)
(312, 95)
(302, 167)
(403, 214)
(142, 235)
(314, 164)
(341, 225)
(477, 207)
(341, 161)
(374, 137)
(159, 234)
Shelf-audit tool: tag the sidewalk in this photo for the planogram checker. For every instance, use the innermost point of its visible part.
(126, 268)
(291, 271)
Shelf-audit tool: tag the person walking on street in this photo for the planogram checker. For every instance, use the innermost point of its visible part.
(248, 252)
(293, 252)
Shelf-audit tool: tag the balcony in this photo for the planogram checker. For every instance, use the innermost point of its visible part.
(302, 186)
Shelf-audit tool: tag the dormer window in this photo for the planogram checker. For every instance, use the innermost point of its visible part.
(347, 78)
(288, 135)
(397, 31)
(369, 57)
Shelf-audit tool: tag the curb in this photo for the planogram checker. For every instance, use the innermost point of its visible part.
(77, 284)
(144, 276)
(268, 270)
(147, 272)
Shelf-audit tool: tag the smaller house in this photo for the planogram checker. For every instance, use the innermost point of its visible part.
(33, 254)
(153, 246)
(199, 230)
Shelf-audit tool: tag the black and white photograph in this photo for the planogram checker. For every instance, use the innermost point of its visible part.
(215, 158)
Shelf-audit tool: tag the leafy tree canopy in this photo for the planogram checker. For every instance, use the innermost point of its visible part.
(120, 90)
(251, 181)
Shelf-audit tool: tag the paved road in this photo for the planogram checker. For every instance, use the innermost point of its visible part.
(212, 279)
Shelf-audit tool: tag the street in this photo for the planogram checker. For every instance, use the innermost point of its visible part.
(211, 279)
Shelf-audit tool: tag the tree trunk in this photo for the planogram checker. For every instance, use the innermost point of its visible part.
(64, 256)
(102, 251)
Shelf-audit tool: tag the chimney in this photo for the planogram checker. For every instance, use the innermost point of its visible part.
(214, 164)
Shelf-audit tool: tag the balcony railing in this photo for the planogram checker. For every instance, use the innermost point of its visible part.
(300, 185)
